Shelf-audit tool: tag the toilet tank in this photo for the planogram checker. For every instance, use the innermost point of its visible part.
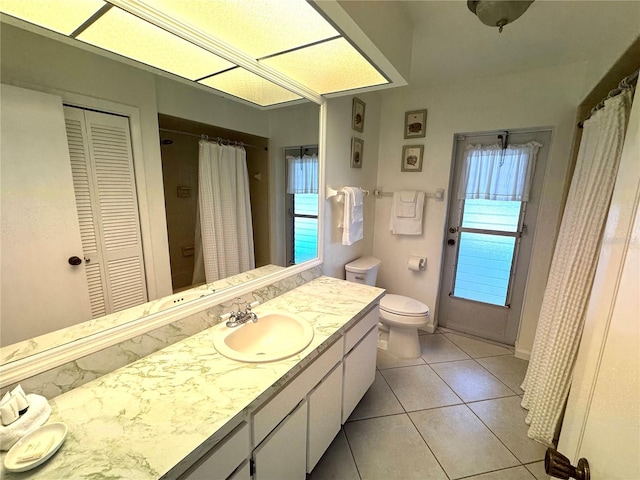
(363, 270)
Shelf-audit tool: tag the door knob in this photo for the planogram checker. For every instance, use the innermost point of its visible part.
(559, 466)
(75, 261)
(451, 242)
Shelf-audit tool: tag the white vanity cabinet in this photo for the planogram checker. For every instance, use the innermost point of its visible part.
(325, 410)
(359, 361)
(328, 390)
(283, 453)
(288, 434)
(223, 460)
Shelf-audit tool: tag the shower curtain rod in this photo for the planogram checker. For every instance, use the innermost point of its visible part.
(213, 139)
(624, 84)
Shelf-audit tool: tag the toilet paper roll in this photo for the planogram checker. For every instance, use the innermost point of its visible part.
(417, 264)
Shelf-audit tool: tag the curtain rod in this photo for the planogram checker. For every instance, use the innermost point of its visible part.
(206, 137)
(624, 84)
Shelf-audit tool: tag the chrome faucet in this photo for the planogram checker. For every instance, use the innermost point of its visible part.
(239, 318)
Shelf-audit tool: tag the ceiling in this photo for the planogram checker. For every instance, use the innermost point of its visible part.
(247, 48)
(450, 45)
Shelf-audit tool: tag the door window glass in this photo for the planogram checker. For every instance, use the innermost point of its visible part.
(485, 259)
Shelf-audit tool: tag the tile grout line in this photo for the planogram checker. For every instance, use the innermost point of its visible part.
(346, 437)
(427, 445)
(494, 376)
(494, 433)
(498, 470)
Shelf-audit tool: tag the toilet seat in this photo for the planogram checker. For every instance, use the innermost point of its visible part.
(403, 321)
(401, 305)
(403, 312)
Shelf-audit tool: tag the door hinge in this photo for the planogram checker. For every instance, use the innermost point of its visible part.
(252, 467)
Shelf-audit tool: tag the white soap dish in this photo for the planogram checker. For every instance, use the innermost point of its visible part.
(35, 448)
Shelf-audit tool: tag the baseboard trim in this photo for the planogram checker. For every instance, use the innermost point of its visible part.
(523, 354)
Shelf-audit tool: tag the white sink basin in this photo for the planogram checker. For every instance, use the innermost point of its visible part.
(273, 337)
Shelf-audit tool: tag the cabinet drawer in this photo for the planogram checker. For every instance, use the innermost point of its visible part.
(271, 414)
(224, 458)
(356, 332)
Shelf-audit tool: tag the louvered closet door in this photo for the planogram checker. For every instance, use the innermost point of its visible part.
(104, 183)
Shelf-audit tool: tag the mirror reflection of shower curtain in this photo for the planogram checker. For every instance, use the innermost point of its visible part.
(224, 234)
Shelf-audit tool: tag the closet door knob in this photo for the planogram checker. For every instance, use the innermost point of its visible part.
(559, 466)
(75, 261)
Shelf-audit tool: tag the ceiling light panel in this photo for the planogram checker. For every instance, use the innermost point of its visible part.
(62, 16)
(255, 27)
(328, 67)
(127, 35)
(249, 86)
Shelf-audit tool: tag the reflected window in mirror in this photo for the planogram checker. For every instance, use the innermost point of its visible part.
(302, 203)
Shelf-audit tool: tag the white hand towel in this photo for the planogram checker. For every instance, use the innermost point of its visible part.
(38, 413)
(352, 229)
(358, 206)
(405, 204)
(407, 225)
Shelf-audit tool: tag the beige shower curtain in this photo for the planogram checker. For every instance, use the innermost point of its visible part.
(548, 377)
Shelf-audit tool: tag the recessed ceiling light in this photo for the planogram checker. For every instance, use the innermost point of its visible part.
(62, 16)
(256, 27)
(249, 86)
(327, 67)
(127, 35)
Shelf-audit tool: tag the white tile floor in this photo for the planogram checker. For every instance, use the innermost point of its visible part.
(454, 413)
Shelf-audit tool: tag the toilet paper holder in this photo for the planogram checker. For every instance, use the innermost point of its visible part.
(417, 263)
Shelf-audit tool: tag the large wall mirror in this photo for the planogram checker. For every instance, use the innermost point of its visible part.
(119, 111)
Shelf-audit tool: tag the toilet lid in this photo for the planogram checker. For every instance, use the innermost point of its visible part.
(402, 305)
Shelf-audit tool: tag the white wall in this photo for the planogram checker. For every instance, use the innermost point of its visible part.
(546, 97)
(288, 127)
(339, 174)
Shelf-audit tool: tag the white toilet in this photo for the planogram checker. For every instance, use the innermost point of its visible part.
(400, 316)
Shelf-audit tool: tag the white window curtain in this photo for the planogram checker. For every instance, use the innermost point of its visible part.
(575, 257)
(302, 174)
(224, 239)
(493, 173)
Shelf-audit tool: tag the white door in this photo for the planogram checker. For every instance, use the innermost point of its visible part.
(602, 420)
(105, 190)
(487, 250)
(41, 290)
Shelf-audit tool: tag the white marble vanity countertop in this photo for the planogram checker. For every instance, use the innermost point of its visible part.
(143, 420)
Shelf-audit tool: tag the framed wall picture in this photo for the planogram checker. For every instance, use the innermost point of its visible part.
(357, 148)
(415, 124)
(357, 115)
(412, 158)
